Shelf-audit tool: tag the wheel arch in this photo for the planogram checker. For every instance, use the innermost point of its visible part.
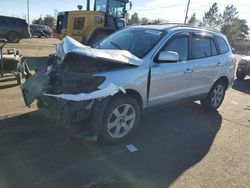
(225, 80)
(136, 95)
(13, 31)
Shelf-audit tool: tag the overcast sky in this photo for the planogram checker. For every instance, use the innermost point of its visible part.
(173, 11)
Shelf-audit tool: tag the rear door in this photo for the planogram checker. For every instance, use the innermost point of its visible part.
(204, 64)
(170, 80)
(3, 30)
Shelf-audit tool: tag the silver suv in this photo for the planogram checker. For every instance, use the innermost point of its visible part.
(134, 69)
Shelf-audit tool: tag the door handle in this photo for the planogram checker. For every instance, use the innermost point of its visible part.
(188, 70)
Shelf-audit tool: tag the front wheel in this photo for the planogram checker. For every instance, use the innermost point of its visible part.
(120, 119)
(215, 97)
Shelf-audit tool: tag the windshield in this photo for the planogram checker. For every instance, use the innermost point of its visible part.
(116, 8)
(101, 5)
(137, 41)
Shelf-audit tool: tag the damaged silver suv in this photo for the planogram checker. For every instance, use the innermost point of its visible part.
(134, 69)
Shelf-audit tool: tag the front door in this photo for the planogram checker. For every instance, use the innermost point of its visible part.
(170, 80)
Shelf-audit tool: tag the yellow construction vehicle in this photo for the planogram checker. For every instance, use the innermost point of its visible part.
(88, 27)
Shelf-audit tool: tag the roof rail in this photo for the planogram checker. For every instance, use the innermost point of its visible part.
(187, 25)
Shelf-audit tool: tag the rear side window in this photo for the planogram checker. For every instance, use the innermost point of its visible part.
(13, 21)
(204, 47)
(179, 45)
(78, 23)
(223, 47)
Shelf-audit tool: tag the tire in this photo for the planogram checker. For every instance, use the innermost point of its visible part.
(121, 117)
(13, 37)
(215, 96)
(240, 75)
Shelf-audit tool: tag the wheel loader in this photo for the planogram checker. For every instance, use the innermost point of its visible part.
(90, 26)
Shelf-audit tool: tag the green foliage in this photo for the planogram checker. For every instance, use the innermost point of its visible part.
(155, 22)
(228, 22)
(144, 21)
(46, 20)
(211, 18)
(134, 19)
(232, 26)
(193, 20)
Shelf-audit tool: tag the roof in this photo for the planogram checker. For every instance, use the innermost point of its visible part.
(9, 17)
(172, 26)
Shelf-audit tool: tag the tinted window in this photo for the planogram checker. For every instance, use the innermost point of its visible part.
(13, 21)
(78, 23)
(222, 45)
(179, 45)
(213, 47)
(202, 47)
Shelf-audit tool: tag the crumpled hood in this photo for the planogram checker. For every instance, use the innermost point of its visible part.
(68, 44)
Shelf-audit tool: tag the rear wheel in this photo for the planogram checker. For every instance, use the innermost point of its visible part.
(120, 119)
(215, 97)
(13, 37)
(240, 75)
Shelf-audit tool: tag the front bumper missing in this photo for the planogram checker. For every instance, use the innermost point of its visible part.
(63, 111)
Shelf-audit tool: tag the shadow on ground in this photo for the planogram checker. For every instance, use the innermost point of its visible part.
(34, 153)
(242, 85)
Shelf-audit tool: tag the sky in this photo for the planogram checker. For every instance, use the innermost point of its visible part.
(172, 11)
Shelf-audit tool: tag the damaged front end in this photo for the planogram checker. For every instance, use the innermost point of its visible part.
(68, 89)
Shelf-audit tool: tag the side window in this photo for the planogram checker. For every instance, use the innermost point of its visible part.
(2, 21)
(179, 45)
(222, 45)
(202, 47)
(78, 23)
(213, 47)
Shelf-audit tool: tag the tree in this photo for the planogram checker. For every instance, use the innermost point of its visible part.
(156, 21)
(47, 20)
(38, 21)
(193, 20)
(144, 21)
(233, 27)
(211, 18)
(134, 19)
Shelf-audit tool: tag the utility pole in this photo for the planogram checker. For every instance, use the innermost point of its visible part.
(28, 11)
(185, 21)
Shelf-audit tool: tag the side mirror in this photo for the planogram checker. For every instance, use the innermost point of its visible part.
(168, 56)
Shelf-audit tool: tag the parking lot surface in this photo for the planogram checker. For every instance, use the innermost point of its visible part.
(178, 146)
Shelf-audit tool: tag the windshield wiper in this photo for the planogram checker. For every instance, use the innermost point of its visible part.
(116, 45)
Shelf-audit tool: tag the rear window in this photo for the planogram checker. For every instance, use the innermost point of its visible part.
(223, 47)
